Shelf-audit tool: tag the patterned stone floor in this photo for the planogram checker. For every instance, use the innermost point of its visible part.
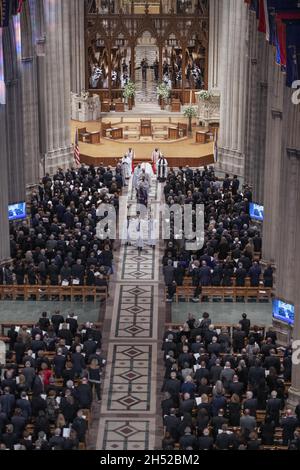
(129, 404)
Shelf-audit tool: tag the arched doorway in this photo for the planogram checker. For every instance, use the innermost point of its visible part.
(147, 67)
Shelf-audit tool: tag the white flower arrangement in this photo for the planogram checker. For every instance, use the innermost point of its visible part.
(163, 91)
(129, 90)
(205, 95)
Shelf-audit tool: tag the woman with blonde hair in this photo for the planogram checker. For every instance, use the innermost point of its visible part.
(60, 422)
(94, 377)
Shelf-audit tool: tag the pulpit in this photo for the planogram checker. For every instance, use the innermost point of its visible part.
(116, 133)
(202, 137)
(81, 134)
(84, 107)
(105, 127)
(173, 133)
(182, 129)
(146, 128)
(119, 106)
(105, 106)
(175, 105)
(94, 138)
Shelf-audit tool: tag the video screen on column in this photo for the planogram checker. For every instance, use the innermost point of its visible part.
(256, 212)
(17, 211)
(283, 311)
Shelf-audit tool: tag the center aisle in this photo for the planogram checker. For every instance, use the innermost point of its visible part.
(128, 418)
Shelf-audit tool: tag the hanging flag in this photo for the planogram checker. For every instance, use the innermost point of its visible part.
(20, 5)
(262, 27)
(216, 147)
(76, 149)
(4, 13)
(293, 53)
(2, 82)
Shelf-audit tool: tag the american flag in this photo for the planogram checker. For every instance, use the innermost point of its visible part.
(76, 150)
(216, 148)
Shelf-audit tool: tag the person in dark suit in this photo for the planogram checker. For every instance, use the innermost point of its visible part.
(217, 422)
(167, 404)
(59, 363)
(24, 405)
(44, 322)
(254, 443)
(56, 320)
(84, 394)
(272, 361)
(12, 335)
(236, 387)
(9, 438)
(188, 440)
(240, 275)
(250, 404)
(224, 439)
(73, 323)
(187, 404)
(245, 324)
(268, 277)
(19, 422)
(238, 339)
(235, 185)
(254, 273)
(256, 374)
(267, 431)
(80, 426)
(205, 442)
(7, 402)
(171, 424)
(289, 424)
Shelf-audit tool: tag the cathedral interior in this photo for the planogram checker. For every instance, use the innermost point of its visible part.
(119, 118)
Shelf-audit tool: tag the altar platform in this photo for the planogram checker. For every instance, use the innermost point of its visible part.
(179, 152)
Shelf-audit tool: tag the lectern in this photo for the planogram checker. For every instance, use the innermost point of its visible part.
(146, 128)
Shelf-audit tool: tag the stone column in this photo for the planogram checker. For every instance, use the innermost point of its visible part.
(256, 110)
(288, 257)
(273, 160)
(56, 85)
(14, 116)
(30, 97)
(294, 392)
(233, 86)
(77, 45)
(4, 225)
(214, 55)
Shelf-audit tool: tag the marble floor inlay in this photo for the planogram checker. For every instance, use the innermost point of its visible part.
(128, 434)
(130, 381)
(137, 266)
(128, 409)
(133, 315)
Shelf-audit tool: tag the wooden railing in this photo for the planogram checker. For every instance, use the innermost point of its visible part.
(187, 293)
(36, 292)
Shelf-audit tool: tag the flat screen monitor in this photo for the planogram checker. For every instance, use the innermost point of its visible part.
(17, 211)
(256, 212)
(283, 311)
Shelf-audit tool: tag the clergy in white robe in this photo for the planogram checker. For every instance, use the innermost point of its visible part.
(126, 169)
(130, 154)
(155, 157)
(162, 169)
(152, 231)
(145, 176)
(136, 176)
